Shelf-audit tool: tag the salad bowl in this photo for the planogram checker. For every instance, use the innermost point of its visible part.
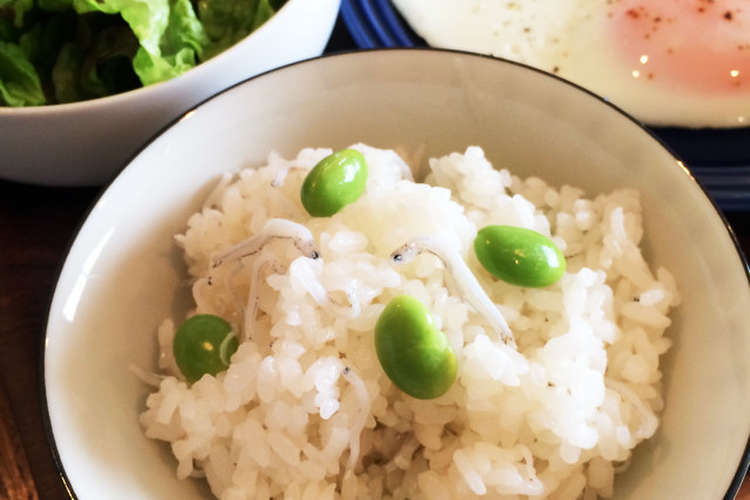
(87, 142)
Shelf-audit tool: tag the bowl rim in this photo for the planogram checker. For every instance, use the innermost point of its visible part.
(154, 88)
(742, 466)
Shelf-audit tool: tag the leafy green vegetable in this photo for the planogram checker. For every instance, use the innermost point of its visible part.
(65, 74)
(184, 29)
(147, 18)
(103, 69)
(19, 81)
(8, 32)
(55, 5)
(263, 14)
(43, 40)
(83, 49)
(17, 9)
(227, 21)
(181, 45)
(224, 18)
(107, 68)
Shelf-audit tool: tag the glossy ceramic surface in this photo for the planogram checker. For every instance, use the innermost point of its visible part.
(87, 143)
(124, 275)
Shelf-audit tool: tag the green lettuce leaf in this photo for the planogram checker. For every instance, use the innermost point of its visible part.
(65, 74)
(147, 18)
(263, 14)
(228, 21)
(171, 37)
(19, 81)
(152, 68)
(42, 42)
(184, 30)
(8, 32)
(180, 47)
(55, 5)
(106, 68)
(17, 10)
(226, 18)
(100, 67)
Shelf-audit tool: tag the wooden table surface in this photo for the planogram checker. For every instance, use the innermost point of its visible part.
(37, 225)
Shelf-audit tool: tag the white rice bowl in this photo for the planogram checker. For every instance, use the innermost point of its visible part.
(305, 410)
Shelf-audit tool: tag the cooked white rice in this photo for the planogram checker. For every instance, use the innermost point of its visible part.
(556, 419)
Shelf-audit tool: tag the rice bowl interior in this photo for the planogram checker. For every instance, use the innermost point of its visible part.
(123, 272)
(304, 409)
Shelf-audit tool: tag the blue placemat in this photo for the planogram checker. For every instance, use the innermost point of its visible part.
(376, 24)
(720, 159)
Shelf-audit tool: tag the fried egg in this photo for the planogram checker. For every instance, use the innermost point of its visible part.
(667, 62)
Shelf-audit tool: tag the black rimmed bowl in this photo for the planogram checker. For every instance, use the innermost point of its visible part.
(123, 274)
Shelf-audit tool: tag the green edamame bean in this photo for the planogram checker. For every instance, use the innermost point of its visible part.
(336, 181)
(414, 354)
(519, 256)
(203, 344)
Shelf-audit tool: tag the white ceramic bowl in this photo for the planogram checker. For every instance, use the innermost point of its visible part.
(123, 273)
(88, 142)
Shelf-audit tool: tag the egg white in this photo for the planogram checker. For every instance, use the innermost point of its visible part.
(578, 41)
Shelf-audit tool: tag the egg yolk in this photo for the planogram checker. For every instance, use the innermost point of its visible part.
(700, 45)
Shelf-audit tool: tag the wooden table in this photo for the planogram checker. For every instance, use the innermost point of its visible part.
(37, 225)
